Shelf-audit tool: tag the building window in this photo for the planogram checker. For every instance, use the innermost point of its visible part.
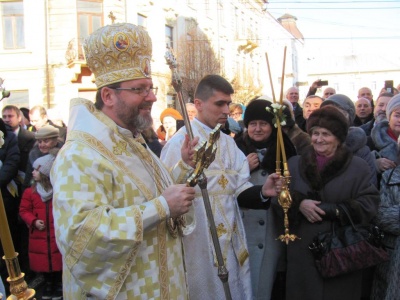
(18, 98)
(169, 39)
(142, 20)
(90, 18)
(13, 25)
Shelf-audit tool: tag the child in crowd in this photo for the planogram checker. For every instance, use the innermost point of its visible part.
(36, 210)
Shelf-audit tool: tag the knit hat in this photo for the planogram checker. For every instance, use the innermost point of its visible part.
(46, 132)
(234, 126)
(343, 102)
(170, 112)
(330, 118)
(255, 110)
(393, 104)
(44, 163)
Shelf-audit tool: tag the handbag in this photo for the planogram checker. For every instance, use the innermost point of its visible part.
(345, 249)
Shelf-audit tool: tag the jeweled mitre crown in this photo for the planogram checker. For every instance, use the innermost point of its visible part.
(118, 52)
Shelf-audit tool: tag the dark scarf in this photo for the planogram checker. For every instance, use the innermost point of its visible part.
(248, 145)
(333, 168)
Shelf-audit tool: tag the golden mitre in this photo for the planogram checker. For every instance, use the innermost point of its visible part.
(118, 52)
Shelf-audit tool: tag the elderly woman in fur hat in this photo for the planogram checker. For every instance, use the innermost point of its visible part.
(325, 175)
(356, 139)
(262, 227)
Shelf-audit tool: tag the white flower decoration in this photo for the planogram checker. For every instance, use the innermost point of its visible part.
(277, 110)
(1, 139)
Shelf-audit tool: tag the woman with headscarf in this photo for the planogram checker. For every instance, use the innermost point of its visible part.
(324, 176)
(167, 129)
(262, 227)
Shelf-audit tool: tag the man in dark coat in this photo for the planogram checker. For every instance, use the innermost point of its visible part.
(292, 95)
(12, 117)
(38, 118)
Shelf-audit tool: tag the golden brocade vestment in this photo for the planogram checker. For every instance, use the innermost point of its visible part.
(110, 217)
(227, 176)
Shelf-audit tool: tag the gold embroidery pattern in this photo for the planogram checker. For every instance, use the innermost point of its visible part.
(83, 238)
(99, 147)
(162, 234)
(243, 255)
(221, 230)
(120, 148)
(123, 273)
(222, 181)
(160, 209)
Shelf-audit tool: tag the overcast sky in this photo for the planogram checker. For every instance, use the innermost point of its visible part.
(356, 26)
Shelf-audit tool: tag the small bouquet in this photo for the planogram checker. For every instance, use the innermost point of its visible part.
(277, 110)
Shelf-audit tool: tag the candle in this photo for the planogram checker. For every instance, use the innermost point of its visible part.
(5, 234)
(283, 75)
(270, 78)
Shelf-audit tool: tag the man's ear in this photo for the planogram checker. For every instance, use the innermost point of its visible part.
(107, 95)
(198, 104)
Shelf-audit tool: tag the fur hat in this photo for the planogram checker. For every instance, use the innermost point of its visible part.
(393, 104)
(46, 132)
(44, 163)
(330, 118)
(255, 110)
(170, 112)
(118, 52)
(343, 102)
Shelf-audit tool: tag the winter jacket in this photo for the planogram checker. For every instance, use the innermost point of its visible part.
(10, 156)
(44, 255)
(356, 142)
(338, 182)
(386, 284)
(385, 145)
(266, 253)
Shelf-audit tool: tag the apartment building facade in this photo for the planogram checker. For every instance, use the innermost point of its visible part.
(42, 60)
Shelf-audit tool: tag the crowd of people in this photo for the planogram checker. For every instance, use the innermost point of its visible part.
(102, 209)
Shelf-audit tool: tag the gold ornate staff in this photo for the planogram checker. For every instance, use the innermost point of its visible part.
(18, 287)
(204, 156)
(284, 198)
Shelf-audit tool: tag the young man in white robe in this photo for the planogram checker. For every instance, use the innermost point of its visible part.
(228, 182)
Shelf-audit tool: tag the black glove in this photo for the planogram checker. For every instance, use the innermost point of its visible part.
(330, 209)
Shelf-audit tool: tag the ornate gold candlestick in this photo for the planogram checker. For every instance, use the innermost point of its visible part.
(285, 200)
(284, 197)
(18, 287)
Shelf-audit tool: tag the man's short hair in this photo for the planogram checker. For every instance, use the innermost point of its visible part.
(14, 108)
(99, 102)
(211, 83)
(42, 111)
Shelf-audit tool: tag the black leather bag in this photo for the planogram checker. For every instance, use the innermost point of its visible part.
(345, 249)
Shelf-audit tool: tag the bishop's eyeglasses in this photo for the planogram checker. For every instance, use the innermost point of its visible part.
(144, 92)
